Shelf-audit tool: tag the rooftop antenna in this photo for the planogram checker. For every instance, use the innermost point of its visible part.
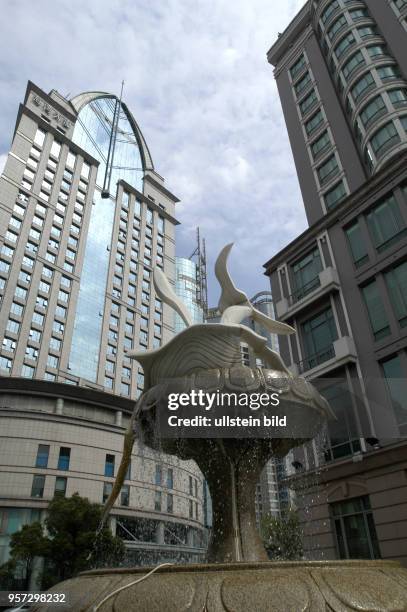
(112, 146)
(201, 276)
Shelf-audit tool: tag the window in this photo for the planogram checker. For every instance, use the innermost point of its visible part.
(124, 388)
(306, 274)
(16, 309)
(109, 466)
(170, 478)
(4, 266)
(191, 485)
(301, 86)
(64, 458)
(396, 280)
(335, 195)
(376, 51)
(384, 138)
(38, 485)
(397, 388)
(351, 65)
(71, 159)
(38, 318)
(39, 137)
(42, 302)
(35, 335)
(5, 364)
(386, 224)
(31, 352)
(297, 67)
(330, 9)
(63, 296)
(107, 490)
(358, 14)
(357, 245)
(355, 529)
(170, 503)
(85, 170)
(346, 42)
(388, 73)
(55, 149)
(318, 334)
(308, 102)
(374, 109)
(362, 86)
(191, 509)
(60, 312)
(125, 495)
(158, 474)
(377, 314)
(42, 456)
(366, 31)
(27, 371)
(337, 26)
(13, 326)
(157, 501)
(9, 344)
(320, 145)
(398, 97)
(328, 169)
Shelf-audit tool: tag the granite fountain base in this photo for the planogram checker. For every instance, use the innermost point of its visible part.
(379, 586)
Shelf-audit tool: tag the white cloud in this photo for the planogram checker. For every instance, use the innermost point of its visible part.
(200, 87)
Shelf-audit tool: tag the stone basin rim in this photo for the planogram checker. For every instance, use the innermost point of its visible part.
(277, 565)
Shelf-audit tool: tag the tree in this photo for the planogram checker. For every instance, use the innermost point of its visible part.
(25, 545)
(282, 536)
(72, 524)
(68, 545)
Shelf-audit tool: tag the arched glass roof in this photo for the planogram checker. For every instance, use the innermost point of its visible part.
(93, 133)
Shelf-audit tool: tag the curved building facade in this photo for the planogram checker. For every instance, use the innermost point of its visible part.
(84, 218)
(367, 78)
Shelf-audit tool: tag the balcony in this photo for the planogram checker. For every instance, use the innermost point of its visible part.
(340, 352)
(326, 281)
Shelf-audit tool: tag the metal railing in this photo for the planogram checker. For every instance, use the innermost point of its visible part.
(303, 291)
(314, 360)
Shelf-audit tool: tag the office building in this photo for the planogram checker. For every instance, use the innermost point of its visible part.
(187, 288)
(84, 217)
(341, 72)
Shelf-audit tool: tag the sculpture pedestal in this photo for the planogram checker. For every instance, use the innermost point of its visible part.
(243, 587)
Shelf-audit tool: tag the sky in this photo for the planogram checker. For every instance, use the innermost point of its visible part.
(199, 85)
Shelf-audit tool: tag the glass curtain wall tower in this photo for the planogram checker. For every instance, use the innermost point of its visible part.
(84, 218)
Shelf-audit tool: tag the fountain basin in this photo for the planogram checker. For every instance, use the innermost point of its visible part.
(316, 586)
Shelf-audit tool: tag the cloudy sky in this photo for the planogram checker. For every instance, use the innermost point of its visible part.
(199, 85)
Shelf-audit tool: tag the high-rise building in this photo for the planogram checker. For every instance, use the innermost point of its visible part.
(341, 71)
(341, 68)
(84, 217)
(187, 288)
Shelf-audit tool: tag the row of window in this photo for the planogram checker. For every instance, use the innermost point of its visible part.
(320, 145)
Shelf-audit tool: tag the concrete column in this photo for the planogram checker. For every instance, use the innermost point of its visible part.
(159, 533)
(190, 538)
(113, 525)
(36, 574)
(118, 418)
(59, 406)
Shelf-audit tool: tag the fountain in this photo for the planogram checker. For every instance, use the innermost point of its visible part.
(206, 359)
